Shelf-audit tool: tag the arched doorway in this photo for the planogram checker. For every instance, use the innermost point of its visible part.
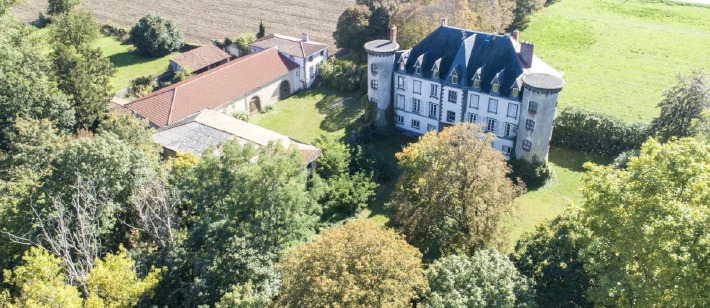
(284, 89)
(254, 104)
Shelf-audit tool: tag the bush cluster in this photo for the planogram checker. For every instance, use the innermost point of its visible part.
(596, 133)
(535, 174)
(113, 30)
(141, 86)
(342, 75)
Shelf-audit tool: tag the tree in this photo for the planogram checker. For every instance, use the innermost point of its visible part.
(355, 264)
(57, 7)
(486, 279)
(551, 257)
(352, 29)
(132, 131)
(84, 75)
(454, 195)
(40, 282)
(155, 36)
(650, 227)
(245, 296)
(155, 205)
(681, 105)
(262, 30)
(75, 28)
(113, 282)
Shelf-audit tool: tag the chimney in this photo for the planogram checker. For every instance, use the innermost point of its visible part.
(304, 37)
(444, 22)
(516, 33)
(526, 52)
(393, 34)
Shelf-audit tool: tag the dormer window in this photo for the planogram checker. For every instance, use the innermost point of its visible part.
(495, 87)
(401, 65)
(435, 73)
(515, 92)
(418, 65)
(477, 82)
(455, 77)
(418, 69)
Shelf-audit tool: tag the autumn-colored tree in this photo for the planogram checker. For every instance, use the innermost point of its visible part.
(454, 195)
(650, 224)
(358, 264)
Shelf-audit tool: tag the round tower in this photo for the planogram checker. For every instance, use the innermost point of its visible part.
(380, 66)
(540, 92)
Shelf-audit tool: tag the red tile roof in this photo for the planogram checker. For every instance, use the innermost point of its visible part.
(212, 88)
(200, 57)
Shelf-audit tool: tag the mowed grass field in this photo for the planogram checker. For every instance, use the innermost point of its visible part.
(618, 56)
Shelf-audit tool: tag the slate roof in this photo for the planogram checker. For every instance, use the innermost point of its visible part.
(210, 128)
(200, 57)
(468, 52)
(212, 88)
(289, 45)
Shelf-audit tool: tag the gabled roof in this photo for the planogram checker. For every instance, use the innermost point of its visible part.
(200, 57)
(289, 45)
(468, 52)
(210, 128)
(212, 88)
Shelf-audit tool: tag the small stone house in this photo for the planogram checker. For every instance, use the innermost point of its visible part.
(199, 59)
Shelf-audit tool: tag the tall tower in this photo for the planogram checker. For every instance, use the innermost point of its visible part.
(540, 93)
(380, 66)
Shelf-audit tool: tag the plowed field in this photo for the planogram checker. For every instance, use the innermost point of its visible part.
(202, 20)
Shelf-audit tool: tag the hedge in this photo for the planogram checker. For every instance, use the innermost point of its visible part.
(596, 133)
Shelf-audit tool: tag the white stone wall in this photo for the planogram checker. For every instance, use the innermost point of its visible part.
(540, 136)
(268, 94)
(304, 73)
(382, 95)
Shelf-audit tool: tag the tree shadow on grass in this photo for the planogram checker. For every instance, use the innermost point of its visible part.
(340, 110)
(574, 160)
(128, 58)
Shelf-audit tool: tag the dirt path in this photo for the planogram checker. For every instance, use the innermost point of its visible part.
(202, 20)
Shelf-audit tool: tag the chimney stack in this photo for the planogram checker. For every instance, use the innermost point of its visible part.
(516, 33)
(444, 22)
(304, 37)
(526, 52)
(393, 34)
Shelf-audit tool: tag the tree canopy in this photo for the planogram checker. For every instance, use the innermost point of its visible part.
(156, 36)
(355, 264)
(682, 104)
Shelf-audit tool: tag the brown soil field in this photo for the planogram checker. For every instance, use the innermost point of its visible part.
(203, 20)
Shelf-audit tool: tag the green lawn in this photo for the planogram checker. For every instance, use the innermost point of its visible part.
(128, 63)
(618, 56)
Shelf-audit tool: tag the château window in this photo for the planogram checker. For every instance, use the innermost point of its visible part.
(415, 105)
(512, 110)
(473, 101)
(373, 84)
(510, 129)
(477, 82)
(435, 73)
(417, 86)
(491, 127)
(434, 91)
(433, 108)
(373, 68)
(399, 119)
(431, 127)
(453, 96)
(507, 150)
(400, 102)
(455, 77)
(493, 105)
(450, 116)
(400, 82)
(530, 125)
(527, 145)
(401, 65)
(418, 70)
(515, 92)
(415, 124)
(495, 88)
(532, 108)
(472, 117)
(373, 100)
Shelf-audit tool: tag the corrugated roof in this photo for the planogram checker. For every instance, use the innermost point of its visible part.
(200, 57)
(467, 52)
(212, 88)
(289, 45)
(209, 128)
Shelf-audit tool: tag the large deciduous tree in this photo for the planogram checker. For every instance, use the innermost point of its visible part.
(356, 264)
(352, 28)
(486, 279)
(551, 257)
(75, 28)
(57, 7)
(156, 36)
(683, 103)
(650, 222)
(454, 195)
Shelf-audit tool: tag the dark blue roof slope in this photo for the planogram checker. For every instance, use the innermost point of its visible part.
(467, 51)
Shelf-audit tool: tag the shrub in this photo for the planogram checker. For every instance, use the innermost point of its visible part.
(181, 75)
(241, 115)
(535, 174)
(621, 161)
(113, 30)
(596, 133)
(266, 109)
(155, 36)
(342, 75)
(141, 86)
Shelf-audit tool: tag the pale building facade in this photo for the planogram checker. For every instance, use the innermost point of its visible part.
(309, 55)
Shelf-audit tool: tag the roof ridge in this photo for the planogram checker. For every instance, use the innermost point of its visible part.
(172, 105)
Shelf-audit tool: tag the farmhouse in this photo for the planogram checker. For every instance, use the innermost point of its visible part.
(209, 128)
(456, 75)
(308, 54)
(246, 84)
(199, 59)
